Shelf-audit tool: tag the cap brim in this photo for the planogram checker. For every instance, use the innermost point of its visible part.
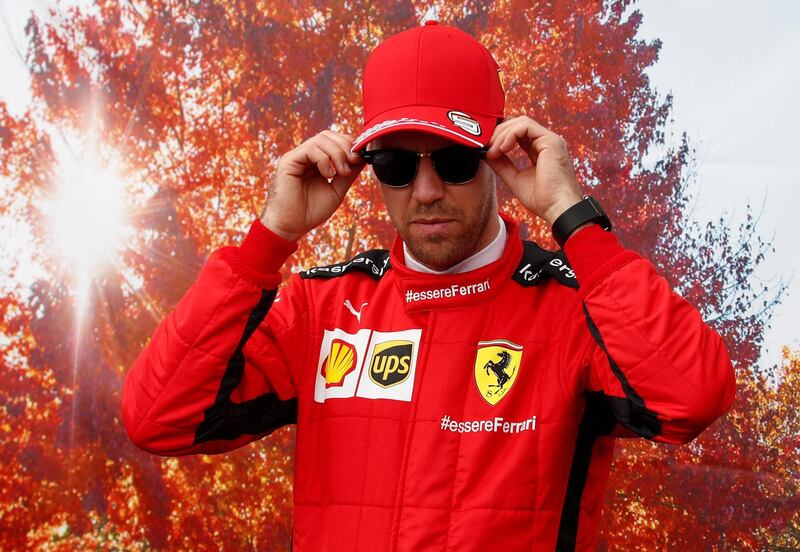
(473, 130)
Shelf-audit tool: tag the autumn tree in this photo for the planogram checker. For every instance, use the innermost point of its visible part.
(196, 101)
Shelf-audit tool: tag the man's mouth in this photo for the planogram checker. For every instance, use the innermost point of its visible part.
(432, 225)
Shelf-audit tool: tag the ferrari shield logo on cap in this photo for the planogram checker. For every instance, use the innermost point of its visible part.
(496, 367)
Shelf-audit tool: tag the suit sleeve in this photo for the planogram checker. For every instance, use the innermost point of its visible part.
(215, 375)
(663, 372)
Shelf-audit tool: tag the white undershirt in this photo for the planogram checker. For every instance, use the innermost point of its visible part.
(487, 255)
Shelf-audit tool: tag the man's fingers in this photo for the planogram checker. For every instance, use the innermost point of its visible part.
(503, 140)
(341, 182)
(525, 143)
(337, 147)
(535, 129)
(334, 152)
(505, 169)
(322, 160)
(529, 147)
(346, 142)
(328, 150)
(509, 132)
(310, 183)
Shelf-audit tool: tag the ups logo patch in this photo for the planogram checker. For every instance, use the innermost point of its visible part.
(496, 367)
(390, 362)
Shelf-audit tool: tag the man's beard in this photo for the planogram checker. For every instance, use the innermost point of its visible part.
(441, 250)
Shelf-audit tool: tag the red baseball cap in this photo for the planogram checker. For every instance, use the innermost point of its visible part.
(432, 78)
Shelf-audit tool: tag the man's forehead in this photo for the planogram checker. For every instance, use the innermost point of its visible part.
(411, 139)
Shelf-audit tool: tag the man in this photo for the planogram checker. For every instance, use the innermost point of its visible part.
(463, 390)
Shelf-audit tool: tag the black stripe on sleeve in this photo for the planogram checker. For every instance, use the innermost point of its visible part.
(631, 410)
(227, 420)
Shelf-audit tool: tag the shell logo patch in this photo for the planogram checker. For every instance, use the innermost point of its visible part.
(496, 367)
(340, 362)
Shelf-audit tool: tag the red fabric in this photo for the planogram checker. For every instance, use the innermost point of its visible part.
(593, 254)
(421, 459)
(435, 79)
(260, 256)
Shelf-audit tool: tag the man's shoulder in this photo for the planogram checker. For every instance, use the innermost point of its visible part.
(374, 263)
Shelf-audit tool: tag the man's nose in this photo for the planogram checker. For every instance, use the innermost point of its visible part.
(427, 187)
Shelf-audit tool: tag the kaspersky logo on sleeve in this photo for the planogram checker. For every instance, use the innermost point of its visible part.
(368, 364)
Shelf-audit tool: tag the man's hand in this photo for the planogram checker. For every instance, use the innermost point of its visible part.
(548, 187)
(310, 183)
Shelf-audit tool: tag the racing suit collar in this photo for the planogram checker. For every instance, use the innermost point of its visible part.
(422, 291)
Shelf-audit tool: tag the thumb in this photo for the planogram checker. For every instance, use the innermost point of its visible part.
(504, 168)
(341, 182)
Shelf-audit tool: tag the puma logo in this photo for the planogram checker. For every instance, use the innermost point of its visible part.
(356, 313)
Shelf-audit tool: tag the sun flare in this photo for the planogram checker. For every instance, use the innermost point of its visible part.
(86, 213)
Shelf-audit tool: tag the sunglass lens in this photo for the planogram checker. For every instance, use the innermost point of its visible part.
(395, 167)
(457, 164)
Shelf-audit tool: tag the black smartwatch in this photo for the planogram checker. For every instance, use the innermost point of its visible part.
(586, 210)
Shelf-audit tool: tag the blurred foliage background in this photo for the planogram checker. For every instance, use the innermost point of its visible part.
(151, 136)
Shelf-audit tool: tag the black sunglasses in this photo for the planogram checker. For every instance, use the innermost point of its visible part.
(398, 167)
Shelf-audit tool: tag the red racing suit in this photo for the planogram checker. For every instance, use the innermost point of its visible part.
(460, 412)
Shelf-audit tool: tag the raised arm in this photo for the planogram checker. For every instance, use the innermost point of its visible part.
(213, 376)
(665, 374)
(216, 375)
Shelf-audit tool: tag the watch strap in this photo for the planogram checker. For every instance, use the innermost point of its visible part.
(586, 210)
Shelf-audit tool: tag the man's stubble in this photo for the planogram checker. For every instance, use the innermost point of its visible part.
(440, 251)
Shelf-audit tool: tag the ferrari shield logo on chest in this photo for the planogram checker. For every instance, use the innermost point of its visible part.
(496, 367)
